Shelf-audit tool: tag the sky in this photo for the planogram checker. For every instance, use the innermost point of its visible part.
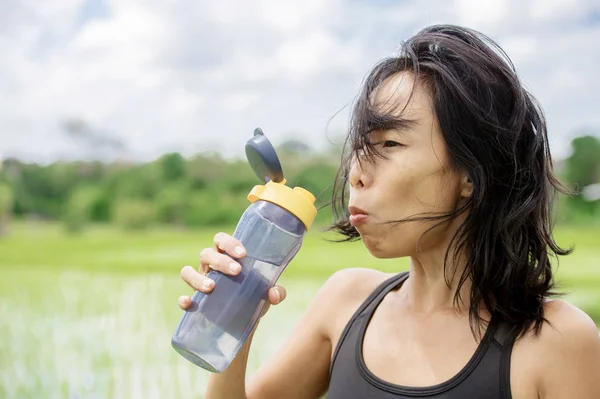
(194, 76)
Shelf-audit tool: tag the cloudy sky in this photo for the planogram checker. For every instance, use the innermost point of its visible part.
(197, 75)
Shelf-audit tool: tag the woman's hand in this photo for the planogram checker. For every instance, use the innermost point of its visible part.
(222, 258)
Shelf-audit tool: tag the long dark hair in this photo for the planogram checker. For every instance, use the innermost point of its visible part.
(495, 132)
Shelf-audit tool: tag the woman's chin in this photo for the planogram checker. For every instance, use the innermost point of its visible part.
(373, 245)
(377, 248)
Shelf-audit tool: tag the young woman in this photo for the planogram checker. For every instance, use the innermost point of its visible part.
(448, 164)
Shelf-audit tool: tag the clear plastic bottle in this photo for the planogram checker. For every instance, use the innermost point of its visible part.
(216, 325)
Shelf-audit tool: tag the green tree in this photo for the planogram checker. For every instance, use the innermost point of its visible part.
(172, 167)
(134, 214)
(206, 169)
(80, 207)
(139, 181)
(6, 206)
(583, 166)
(582, 170)
(171, 202)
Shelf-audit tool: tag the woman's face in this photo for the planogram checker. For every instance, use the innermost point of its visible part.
(416, 178)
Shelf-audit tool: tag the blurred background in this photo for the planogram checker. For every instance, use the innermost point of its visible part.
(123, 126)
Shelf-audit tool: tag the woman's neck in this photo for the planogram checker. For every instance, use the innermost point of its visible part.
(431, 290)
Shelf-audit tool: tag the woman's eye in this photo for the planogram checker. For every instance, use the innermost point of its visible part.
(390, 143)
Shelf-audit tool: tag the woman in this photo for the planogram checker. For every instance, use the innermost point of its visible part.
(448, 164)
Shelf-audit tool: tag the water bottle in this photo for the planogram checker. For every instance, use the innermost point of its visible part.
(216, 325)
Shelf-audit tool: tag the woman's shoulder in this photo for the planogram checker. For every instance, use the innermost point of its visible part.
(344, 292)
(567, 328)
(564, 353)
(354, 283)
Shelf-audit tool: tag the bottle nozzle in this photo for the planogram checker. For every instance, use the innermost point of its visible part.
(263, 159)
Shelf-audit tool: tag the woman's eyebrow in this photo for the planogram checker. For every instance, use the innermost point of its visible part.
(388, 122)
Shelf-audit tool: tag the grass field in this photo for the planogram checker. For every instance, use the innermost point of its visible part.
(91, 316)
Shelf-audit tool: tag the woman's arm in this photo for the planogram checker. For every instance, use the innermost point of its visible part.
(231, 383)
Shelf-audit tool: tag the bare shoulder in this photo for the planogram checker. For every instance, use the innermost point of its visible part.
(568, 319)
(569, 330)
(352, 284)
(345, 291)
(566, 353)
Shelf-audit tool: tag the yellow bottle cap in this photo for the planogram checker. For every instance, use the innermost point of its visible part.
(298, 201)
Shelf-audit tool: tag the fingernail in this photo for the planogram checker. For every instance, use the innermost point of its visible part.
(207, 283)
(278, 294)
(234, 268)
(239, 250)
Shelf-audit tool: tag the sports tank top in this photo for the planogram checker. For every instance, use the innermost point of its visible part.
(486, 375)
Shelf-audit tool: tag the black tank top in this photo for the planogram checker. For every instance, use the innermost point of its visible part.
(486, 375)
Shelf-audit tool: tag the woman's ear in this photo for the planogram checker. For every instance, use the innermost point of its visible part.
(466, 186)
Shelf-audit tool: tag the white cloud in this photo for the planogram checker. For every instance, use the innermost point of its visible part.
(180, 75)
(237, 102)
(550, 10)
(295, 16)
(487, 13)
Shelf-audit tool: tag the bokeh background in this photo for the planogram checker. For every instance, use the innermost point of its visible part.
(123, 125)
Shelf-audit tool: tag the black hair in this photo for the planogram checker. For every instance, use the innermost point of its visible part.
(495, 132)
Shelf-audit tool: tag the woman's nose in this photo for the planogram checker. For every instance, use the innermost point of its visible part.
(358, 176)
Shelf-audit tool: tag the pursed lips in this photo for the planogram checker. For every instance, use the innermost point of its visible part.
(357, 215)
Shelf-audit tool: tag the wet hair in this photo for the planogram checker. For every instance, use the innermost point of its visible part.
(495, 132)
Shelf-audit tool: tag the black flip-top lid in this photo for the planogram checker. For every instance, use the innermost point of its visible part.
(263, 159)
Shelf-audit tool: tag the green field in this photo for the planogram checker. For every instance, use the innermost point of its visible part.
(91, 316)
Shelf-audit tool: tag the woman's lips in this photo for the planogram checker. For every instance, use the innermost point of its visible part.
(357, 219)
(357, 215)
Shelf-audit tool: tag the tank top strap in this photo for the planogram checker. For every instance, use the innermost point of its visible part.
(373, 299)
(505, 337)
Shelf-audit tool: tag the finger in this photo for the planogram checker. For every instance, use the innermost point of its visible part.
(277, 294)
(226, 243)
(184, 302)
(196, 280)
(204, 268)
(218, 261)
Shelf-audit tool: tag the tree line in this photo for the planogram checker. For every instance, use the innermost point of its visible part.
(203, 190)
(207, 190)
